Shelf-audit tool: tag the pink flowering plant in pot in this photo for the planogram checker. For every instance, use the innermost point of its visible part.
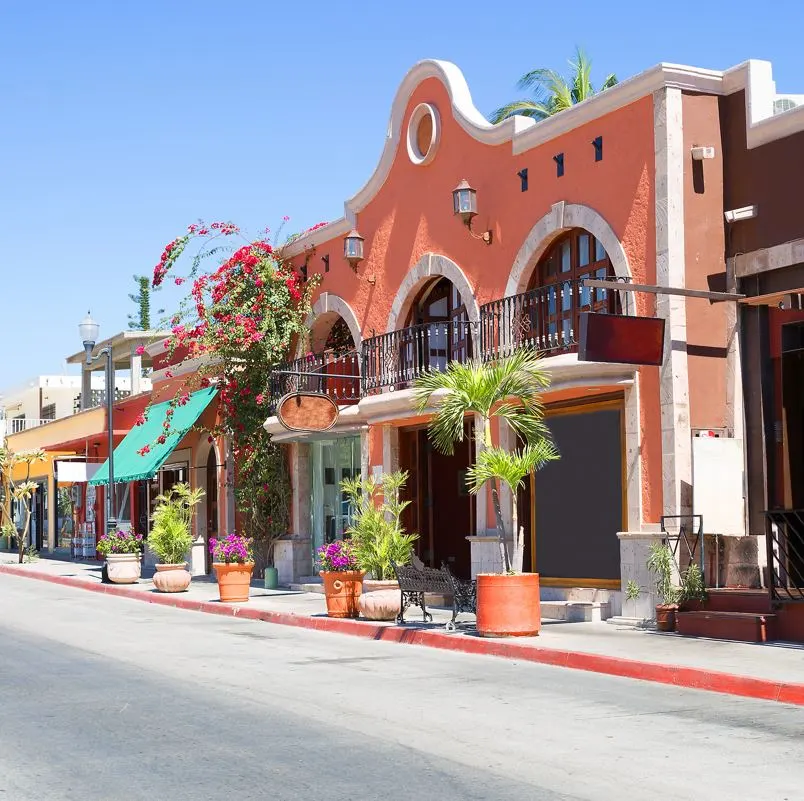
(122, 550)
(233, 563)
(343, 578)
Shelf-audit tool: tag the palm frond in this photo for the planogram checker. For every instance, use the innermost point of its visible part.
(581, 76)
(510, 467)
(525, 108)
(611, 80)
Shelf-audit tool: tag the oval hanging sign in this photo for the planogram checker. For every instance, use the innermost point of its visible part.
(307, 411)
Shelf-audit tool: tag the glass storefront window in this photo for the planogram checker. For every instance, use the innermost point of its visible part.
(331, 461)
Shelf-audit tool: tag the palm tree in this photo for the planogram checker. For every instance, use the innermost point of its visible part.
(509, 389)
(553, 92)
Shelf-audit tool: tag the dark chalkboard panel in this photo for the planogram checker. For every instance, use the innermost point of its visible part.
(579, 498)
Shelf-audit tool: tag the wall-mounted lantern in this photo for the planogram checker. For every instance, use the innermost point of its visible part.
(353, 248)
(464, 205)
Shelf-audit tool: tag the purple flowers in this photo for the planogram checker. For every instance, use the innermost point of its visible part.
(231, 548)
(119, 541)
(336, 556)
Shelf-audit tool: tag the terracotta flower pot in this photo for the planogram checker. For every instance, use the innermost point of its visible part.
(234, 580)
(508, 605)
(666, 617)
(123, 568)
(172, 578)
(342, 589)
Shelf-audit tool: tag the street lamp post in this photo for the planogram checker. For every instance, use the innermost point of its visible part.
(88, 329)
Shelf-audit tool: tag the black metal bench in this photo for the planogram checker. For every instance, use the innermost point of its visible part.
(416, 579)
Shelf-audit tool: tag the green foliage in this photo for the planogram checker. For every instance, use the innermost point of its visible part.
(632, 590)
(376, 532)
(553, 92)
(170, 537)
(660, 563)
(692, 584)
(20, 490)
(510, 467)
(141, 319)
(509, 389)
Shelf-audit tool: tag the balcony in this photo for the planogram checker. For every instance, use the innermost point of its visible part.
(545, 318)
(333, 373)
(16, 425)
(396, 359)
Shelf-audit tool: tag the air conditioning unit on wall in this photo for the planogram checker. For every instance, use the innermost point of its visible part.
(715, 433)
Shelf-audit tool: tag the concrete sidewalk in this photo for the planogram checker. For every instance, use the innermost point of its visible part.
(774, 671)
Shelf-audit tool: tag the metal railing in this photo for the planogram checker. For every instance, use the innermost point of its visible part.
(395, 359)
(333, 373)
(785, 543)
(545, 318)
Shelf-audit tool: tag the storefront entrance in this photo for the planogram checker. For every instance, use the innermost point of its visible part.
(573, 508)
(331, 461)
(441, 511)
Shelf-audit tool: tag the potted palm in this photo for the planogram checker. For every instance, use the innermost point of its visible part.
(510, 390)
(170, 537)
(233, 563)
(660, 563)
(378, 539)
(342, 576)
(122, 550)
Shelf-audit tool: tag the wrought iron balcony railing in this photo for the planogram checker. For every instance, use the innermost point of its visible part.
(545, 318)
(395, 359)
(333, 373)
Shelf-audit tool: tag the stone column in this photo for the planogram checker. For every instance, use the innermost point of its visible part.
(86, 387)
(292, 554)
(671, 271)
(136, 372)
(634, 549)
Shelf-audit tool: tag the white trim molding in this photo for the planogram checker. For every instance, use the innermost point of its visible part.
(428, 266)
(562, 217)
(327, 302)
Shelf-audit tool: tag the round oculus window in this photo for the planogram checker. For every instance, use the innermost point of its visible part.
(424, 131)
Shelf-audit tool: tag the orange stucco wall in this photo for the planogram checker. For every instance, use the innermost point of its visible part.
(704, 257)
(412, 213)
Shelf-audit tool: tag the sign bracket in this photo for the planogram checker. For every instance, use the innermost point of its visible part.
(627, 286)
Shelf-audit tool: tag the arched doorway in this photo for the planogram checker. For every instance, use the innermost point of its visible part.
(441, 509)
(211, 522)
(440, 331)
(332, 361)
(556, 296)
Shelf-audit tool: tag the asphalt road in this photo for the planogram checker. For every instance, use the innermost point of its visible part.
(115, 700)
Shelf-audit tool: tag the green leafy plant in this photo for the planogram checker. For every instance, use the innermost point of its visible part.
(508, 389)
(660, 563)
(692, 584)
(377, 535)
(170, 537)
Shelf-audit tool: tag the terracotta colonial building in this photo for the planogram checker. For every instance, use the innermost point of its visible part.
(632, 185)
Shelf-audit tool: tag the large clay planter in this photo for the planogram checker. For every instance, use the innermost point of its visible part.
(172, 578)
(508, 605)
(666, 617)
(342, 589)
(123, 568)
(380, 600)
(234, 581)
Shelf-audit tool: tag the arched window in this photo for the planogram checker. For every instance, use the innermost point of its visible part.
(556, 294)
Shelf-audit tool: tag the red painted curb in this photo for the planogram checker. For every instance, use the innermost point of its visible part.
(676, 675)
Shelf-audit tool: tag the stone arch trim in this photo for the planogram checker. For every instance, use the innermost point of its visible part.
(429, 266)
(327, 302)
(562, 217)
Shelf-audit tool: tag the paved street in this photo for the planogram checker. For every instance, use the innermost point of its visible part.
(106, 698)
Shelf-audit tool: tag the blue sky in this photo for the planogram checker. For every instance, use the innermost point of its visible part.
(123, 122)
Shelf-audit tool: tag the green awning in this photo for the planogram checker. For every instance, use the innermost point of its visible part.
(129, 465)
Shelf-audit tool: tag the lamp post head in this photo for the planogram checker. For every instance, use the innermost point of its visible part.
(88, 330)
